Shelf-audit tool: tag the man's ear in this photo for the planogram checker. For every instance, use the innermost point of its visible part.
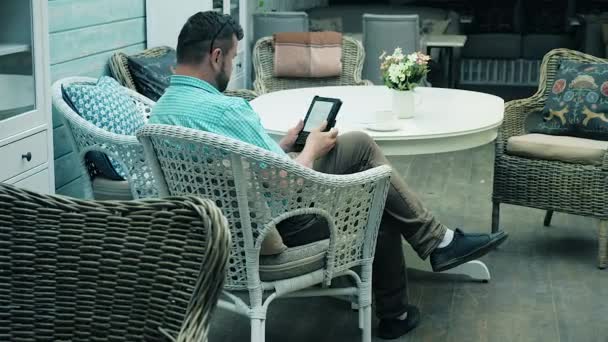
(216, 56)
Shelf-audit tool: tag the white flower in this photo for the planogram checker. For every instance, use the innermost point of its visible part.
(393, 73)
(413, 57)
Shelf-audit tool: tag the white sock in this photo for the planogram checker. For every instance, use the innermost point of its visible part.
(447, 238)
(403, 317)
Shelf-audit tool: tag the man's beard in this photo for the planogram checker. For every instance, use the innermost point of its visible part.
(222, 80)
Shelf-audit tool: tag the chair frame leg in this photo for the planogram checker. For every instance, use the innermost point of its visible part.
(603, 244)
(495, 216)
(548, 217)
(366, 329)
(257, 330)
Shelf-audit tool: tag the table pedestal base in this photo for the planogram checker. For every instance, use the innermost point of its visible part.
(475, 269)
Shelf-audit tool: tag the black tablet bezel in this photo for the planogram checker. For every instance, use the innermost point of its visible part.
(331, 116)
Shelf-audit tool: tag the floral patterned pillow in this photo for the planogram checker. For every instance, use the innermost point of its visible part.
(578, 102)
(107, 106)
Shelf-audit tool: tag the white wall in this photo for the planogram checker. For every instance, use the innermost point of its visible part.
(165, 19)
(292, 5)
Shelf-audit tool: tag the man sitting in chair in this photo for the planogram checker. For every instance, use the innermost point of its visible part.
(207, 45)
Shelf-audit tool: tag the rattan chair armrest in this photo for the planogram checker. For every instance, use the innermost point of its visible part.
(514, 123)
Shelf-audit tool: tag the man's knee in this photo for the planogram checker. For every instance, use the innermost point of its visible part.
(356, 138)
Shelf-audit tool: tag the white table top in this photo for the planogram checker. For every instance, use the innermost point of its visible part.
(445, 40)
(445, 120)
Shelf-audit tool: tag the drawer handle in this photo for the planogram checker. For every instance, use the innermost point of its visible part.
(27, 156)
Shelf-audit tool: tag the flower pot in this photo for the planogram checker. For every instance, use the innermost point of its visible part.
(403, 103)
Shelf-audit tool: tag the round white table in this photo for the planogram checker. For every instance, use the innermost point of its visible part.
(445, 119)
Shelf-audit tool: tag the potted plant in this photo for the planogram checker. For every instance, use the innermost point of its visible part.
(402, 74)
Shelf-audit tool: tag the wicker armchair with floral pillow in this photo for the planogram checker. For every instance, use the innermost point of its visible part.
(563, 169)
(149, 71)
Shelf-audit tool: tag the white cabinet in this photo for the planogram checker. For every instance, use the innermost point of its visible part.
(26, 142)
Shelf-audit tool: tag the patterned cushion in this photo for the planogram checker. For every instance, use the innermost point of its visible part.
(578, 102)
(151, 74)
(107, 106)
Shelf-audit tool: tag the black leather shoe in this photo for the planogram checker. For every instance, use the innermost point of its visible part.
(464, 248)
(390, 329)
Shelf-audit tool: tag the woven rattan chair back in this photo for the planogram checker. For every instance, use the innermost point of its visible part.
(78, 270)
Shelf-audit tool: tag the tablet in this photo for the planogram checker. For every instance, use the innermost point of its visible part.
(321, 109)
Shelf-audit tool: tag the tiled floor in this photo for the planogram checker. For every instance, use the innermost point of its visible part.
(545, 285)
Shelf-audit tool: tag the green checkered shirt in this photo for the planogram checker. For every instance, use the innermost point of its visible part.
(193, 103)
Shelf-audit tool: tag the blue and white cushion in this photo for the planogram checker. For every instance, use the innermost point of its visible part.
(107, 106)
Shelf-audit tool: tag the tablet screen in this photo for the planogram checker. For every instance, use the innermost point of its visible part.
(319, 112)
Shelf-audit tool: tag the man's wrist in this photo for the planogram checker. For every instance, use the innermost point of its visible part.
(306, 158)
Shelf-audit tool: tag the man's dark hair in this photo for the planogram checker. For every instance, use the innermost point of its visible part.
(203, 32)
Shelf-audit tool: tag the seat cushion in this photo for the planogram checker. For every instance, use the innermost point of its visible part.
(109, 189)
(107, 106)
(577, 104)
(561, 148)
(293, 262)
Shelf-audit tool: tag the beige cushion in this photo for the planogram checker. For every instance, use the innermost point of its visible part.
(307, 54)
(562, 148)
(294, 261)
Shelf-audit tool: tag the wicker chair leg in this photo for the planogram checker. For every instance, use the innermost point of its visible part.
(548, 217)
(257, 330)
(495, 216)
(603, 244)
(366, 329)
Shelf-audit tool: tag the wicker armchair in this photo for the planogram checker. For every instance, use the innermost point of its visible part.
(119, 67)
(77, 270)
(257, 189)
(86, 137)
(544, 184)
(353, 57)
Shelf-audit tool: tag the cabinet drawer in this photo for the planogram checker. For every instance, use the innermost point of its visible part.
(38, 182)
(14, 156)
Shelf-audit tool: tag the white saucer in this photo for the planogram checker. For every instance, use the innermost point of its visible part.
(387, 126)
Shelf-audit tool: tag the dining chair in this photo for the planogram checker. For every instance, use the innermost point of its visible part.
(268, 23)
(384, 33)
(81, 270)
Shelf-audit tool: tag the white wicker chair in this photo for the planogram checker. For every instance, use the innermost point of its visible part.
(257, 189)
(86, 137)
